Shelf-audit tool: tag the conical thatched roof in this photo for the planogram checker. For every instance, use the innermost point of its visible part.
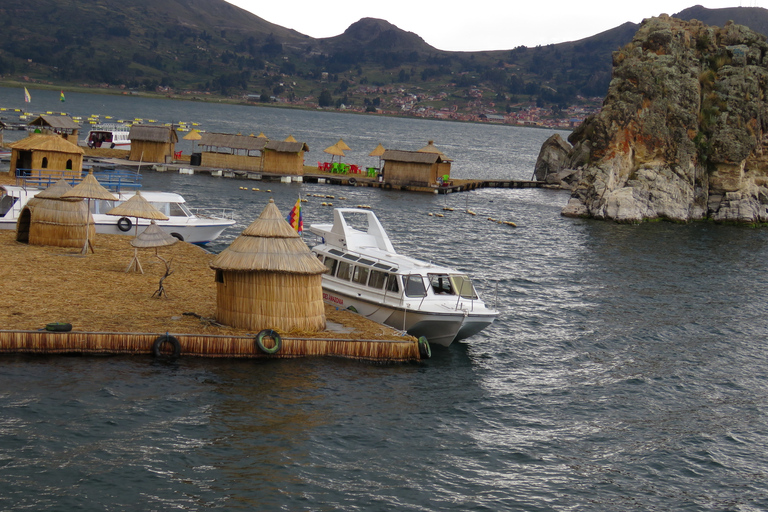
(261, 135)
(55, 191)
(193, 135)
(137, 207)
(153, 236)
(378, 151)
(431, 148)
(334, 150)
(290, 138)
(90, 188)
(269, 244)
(343, 145)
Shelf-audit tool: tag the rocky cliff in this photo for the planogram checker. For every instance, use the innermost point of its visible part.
(683, 132)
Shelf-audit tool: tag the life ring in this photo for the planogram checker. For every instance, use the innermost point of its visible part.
(271, 334)
(160, 341)
(352, 181)
(124, 224)
(58, 327)
(424, 350)
(177, 235)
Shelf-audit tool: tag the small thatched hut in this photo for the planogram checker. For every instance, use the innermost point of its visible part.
(268, 279)
(418, 168)
(50, 219)
(64, 126)
(150, 143)
(44, 156)
(284, 157)
(226, 151)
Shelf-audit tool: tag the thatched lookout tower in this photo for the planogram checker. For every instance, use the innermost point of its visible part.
(421, 168)
(268, 279)
(50, 219)
(284, 157)
(64, 126)
(227, 151)
(43, 156)
(150, 143)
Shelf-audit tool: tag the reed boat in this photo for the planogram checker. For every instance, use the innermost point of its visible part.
(368, 276)
(197, 226)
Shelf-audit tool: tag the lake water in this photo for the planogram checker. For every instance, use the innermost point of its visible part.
(627, 370)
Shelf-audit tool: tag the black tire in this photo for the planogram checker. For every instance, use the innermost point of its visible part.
(387, 186)
(58, 327)
(424, 349)
(352, 181)
(176, 235)
(124, 224)
(271, 334)
(157, 347)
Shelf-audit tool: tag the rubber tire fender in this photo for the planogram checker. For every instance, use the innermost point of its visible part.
(424, 349)
(166, 338)
(124, 224)
(352, 181)
(272, 334)
(58, 327)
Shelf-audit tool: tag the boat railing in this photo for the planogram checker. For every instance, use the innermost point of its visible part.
(213, 213)
(112, 179)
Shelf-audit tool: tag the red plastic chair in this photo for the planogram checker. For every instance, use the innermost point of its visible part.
(176, 155)
(354, 169)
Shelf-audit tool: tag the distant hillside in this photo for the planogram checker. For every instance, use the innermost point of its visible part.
(198, 47)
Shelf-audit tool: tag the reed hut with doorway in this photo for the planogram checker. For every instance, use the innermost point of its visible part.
(414, 168)
(226, 151)
(64, 126)
(151, 143)
(268, 279)
(284, 157)
(50, 219)
(46, 157)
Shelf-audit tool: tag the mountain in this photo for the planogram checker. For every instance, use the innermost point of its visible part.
(200, 47)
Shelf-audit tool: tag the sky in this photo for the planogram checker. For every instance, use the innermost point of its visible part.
(476, 25)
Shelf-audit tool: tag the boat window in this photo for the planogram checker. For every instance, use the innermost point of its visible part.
(365, 262)
(344, 271)
(441, 284)
(382, 266)
(330, 264)
(361, 275)
(377, 279)
(392, 284)
(6, 202)
(464, 286)
(176, 210)
(351, 257)
(336, 252)
(414, 286)
(163, 207)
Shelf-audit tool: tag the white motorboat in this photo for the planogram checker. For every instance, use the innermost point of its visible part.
(113, 136)
(366, 275)
(196, 226)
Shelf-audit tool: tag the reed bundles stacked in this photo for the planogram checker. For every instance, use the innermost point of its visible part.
(50, 219)
(268, 279)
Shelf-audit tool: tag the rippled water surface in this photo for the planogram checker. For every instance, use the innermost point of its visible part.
(626, 372)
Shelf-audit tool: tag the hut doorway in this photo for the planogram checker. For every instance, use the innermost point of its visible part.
(24, 161)
(22, 226)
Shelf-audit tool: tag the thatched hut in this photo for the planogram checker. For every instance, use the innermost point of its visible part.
(226, 151)
(3, 126)
(150, 143)
(416, 168)
(64, 126)
(50, 219)
(268, 279)
(284, 157)
(46, 156)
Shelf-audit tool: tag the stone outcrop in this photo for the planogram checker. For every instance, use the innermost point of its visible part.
(683, 132)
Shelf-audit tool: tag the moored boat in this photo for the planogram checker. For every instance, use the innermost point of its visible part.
(113, 136)
(367, 275)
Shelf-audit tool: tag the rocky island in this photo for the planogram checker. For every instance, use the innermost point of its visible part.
(682, 134)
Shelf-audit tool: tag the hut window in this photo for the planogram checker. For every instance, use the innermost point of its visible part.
(361, 275)
(377, 279)
(344, 271)
(69, 164)
(219, 276)
(45, 162)
(330, 264)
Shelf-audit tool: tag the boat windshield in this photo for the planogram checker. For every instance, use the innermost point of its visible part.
(6, 203)
(441, 284)
(463, 285)
(414, 286)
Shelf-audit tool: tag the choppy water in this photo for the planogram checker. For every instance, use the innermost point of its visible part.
(626, 372)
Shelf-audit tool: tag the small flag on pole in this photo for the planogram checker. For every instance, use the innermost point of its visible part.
(27, 96)
(294, 218)
(62, 96)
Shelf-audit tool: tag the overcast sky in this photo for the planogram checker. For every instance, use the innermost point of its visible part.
(476, 25)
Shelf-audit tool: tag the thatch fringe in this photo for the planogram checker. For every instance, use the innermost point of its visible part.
(47, 342)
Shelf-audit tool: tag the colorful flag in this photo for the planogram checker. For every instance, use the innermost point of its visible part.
(62, 96)
(27, 97)
(294, 218)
